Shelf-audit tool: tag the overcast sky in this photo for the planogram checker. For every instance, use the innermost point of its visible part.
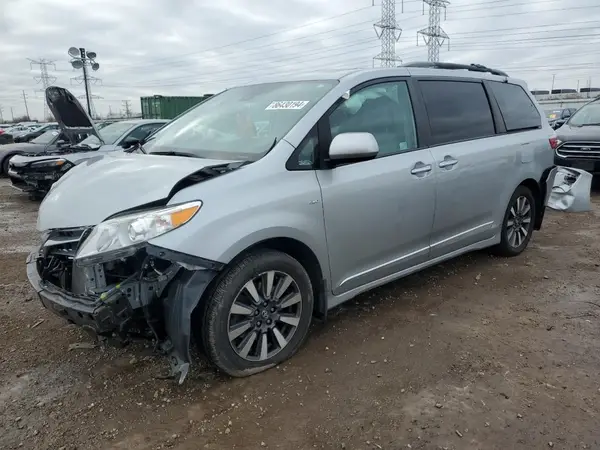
(192, 47)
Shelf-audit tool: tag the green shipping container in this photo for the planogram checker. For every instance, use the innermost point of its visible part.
(159, 107)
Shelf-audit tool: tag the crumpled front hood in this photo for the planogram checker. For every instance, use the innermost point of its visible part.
(568, 133)
(108, 184)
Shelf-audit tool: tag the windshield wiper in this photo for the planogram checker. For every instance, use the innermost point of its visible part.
(590, 124)
(171, 153)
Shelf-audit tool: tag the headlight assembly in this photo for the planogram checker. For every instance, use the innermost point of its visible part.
(60, 164)
(121, 236)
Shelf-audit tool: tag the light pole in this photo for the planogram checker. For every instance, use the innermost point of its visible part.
(83, 60)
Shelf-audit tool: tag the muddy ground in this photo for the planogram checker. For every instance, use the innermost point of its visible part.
(478, 353)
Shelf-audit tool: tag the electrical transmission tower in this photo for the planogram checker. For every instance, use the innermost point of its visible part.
(433, 35)
(388, 32)
(44, 79)
(26, 108)
(127, 106)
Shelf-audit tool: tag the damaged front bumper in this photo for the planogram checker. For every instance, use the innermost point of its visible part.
(151, 294)
(32, 178)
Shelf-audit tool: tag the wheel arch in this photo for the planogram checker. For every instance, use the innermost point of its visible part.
(304, 255)
(538, 192)
(5, 158)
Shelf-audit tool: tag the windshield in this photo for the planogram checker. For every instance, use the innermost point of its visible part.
(45, 138)
(241, 123)
(586, 115)
(109, 134)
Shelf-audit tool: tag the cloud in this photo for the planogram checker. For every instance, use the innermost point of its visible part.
(179, 47)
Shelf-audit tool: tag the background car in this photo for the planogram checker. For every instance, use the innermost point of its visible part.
(579, 140)
(35, 173)
(557, 117)
(49, 141)
(35, 132)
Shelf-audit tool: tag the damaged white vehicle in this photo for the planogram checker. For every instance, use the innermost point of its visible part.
(267, 205)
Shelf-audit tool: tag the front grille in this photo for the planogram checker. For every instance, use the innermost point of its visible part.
(579, 150)
(59, 249)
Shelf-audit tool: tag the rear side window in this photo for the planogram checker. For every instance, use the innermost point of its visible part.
(457, 111)
(517, 109)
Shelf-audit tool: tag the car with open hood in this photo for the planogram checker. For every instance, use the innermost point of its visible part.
(579, 140)
(268, 204)
(48, 142)
(35, 173)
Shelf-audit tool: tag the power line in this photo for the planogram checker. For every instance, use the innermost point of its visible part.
(327, 54)
(434, 36)
(233, 44)
(236, 45)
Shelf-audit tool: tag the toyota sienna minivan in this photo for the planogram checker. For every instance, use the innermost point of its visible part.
(269, 204)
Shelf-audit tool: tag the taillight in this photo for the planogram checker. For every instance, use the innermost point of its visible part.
(554, 142)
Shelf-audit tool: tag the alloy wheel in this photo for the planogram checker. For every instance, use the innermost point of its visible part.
(264, 316)
(518, 225)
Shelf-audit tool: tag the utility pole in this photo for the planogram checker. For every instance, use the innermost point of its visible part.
(1, 116)
(110, 111)
(26, 108)
(553, 78)
(83, 59)
(126, 105)
(434, 36)
(44, 79)
(388, 32)
(12, 114)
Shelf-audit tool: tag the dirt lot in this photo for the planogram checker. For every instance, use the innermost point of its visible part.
(479, 353)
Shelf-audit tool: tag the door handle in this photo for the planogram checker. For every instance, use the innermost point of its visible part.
(448, 162)
(420, 168)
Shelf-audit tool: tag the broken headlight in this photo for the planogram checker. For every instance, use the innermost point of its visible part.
(121, 236)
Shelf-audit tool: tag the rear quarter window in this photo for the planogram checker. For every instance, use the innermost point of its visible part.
(517, 109)
(457, 110)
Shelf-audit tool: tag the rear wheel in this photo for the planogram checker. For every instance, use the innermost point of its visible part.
(258, 314)
(518, 223)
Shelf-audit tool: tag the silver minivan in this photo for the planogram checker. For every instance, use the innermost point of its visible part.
(269, 204)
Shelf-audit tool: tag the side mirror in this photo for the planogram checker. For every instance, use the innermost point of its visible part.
(61, 142)
(353, 147)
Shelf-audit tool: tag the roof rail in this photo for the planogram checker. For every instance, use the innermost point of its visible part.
(454, 66)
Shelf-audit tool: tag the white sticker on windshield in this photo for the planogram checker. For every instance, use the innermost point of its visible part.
(290, 104)
(54, 133)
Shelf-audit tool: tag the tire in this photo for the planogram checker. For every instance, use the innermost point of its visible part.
(4, 167)
(513, 240)
(222, 320)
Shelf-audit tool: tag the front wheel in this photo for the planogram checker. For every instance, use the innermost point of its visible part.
(258, 314)
(517, 226)
(4, 168)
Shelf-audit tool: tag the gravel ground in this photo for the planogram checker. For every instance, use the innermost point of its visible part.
(477, 353)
